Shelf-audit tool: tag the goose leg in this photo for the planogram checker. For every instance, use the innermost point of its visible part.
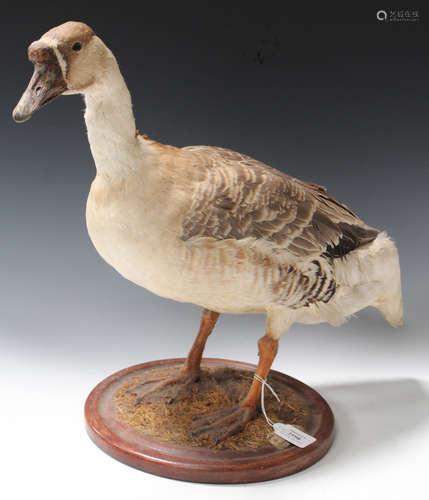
(225, 423)
(173, 386)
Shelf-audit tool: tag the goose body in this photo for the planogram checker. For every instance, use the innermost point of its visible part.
(169, 239)
(208, 225)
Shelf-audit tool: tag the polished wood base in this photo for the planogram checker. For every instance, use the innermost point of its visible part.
(204, 464)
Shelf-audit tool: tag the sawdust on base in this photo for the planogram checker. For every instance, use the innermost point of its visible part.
(218, 388)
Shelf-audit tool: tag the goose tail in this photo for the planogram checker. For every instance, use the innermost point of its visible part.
(389, 303)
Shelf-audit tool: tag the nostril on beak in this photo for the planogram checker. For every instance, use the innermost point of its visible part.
(38, 89)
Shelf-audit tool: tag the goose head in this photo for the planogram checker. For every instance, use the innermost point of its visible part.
(68, 59)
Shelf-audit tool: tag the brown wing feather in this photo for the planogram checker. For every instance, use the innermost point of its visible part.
(238, 197)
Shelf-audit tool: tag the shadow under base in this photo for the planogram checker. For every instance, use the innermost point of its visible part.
(155, 435)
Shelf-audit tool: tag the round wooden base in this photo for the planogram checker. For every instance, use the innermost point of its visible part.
(204, 465)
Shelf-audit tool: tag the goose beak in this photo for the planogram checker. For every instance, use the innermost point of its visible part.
(46, 83)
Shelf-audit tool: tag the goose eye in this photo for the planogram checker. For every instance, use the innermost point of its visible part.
(77, 46)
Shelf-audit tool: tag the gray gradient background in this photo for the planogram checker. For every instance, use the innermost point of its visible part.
(340, 100)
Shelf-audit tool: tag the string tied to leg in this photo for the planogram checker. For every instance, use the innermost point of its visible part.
(286, 431)
(265, 383)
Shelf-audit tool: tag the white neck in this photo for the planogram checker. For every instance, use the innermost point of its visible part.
(111, 126)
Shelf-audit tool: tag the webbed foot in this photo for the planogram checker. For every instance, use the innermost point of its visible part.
(168, 388)
(224, 423)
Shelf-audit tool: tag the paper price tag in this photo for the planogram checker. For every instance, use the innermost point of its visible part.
(293, 435)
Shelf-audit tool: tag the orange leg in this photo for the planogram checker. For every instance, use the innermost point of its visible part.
(267, 352)
(225, 423)
(193, 361)
(190, 372)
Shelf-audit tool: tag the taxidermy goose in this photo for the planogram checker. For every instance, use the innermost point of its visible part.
(210, 226)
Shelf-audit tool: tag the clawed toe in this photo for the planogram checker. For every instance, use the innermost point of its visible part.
(224, 423)
(143, 384)
(165, 388)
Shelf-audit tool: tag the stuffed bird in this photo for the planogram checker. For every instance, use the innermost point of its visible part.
(211, 226)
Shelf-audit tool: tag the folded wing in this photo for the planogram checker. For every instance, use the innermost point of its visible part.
(238, 197)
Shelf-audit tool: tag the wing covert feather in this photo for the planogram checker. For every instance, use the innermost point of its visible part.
(238, 197)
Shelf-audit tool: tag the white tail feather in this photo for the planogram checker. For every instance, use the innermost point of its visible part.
(389, 303)
(371, 276)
